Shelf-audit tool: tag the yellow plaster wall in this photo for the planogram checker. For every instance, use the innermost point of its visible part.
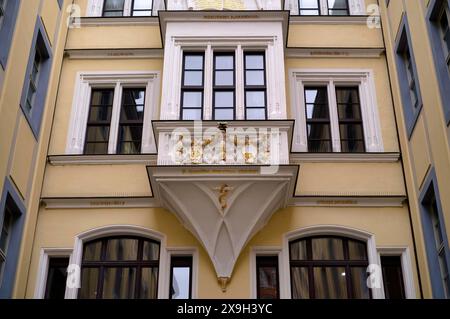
(50, 13)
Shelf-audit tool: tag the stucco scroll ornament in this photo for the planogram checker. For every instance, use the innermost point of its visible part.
(223, 190)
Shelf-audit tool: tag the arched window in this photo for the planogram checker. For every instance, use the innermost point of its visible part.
(328, 267)
(120, 268)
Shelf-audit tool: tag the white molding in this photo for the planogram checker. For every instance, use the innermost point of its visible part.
(265, 251)
(99, 202)
(348, 201)
(116, 230)
(41, 278)
(364, 78)
(407, 270)
(298, 158)
(338, 230)
(85, 81)
(182, 251)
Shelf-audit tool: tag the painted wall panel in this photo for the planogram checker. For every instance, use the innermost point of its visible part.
(420, 151)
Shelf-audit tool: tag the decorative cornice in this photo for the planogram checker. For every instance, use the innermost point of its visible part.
(110, 159)
(325, 19)
(321, 52)
(136, 53)
(296, 158)
(98, 202)
(117, 21)
(348, 201)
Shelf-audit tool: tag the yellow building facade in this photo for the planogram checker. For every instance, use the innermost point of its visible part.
(223, 149)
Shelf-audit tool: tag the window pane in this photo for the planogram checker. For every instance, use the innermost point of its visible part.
(347, 95)
(192, 99)
(254, 78)
(97, 133)
(193, 78)
(351, 131)
(100, 113)
(319, 146)
(151, 251)
(6, 230)
(132, 113)
(146, 13)
(121, 249)
(130, 133)
(133, 147)
(256, 114)
(193, 62)
(357, 250)
(142, 4)
(180, 282)
(254, 62)
(96, 148)
(316, 95)
(337, 4)
(149, 283)
(330, 283)
(317, 111)
(298, 250)
(224, 78)
(55, 287)
(224, 62)
(352, 146)
(224, 99)
(359, 277)
(119, 283)
(327, 249)
(319, 131)
(268, 282)
(300, 283)
(392, 277)
(114, 4)
(133, 97)
(255, 99)
(309, 4)
(192, 114)
(223, 114)
(92, 251)
(102, 97)
(89, 280)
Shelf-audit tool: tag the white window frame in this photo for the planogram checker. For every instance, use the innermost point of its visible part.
(407, 270)
(86, 81)
(356, 7)
(95, 8)
(266, 251)
(271, 45)
(364, 79)
(41, 280)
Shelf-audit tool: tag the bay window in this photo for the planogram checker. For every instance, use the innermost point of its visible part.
(255, 86)
(192, 87)
(224, 86)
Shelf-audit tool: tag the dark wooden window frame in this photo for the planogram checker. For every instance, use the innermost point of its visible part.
(318, 121)
(181, 261)
(309, 263)
(132, 123)
(349, 120)
(250, 88)
(263, 261)
(224, 88)
(138, 264)
(133, 10)
(190, 88)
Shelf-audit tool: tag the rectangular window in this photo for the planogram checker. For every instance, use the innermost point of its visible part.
(224, 87)
(445, 34)
(131, 121)
(318, 119)
(2, 11)
(192, 86)
(33, 80)
(181, 277)
(99, 121)
(338, 8)
(5, 237)
(255, 86)
(142, 8)
(113, 8)
(55, 287)
(394, 287)
(309, 7)
(267, 275)
(350, 119)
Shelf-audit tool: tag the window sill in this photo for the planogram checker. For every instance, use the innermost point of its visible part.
(296, 158)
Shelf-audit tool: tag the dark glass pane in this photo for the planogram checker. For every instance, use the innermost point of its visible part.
(316, 95)
(223, 99)
(330, 283)
(224, 78)
(133, 97)
(192, 114)
(298, 250)
(100, 114)
(96, 148)
(113, 5)
(337, 4)
(256, 114)
(89, 280)
(254, 62)
(352, 146)
(92, 251)
(317, 111)
(351, 131)
(151, 251)
(319, 146)
(149, 283)
(192, 99)
(392, 277)
(349, 112)
(121, 249)
(133, 147)
(300, 283)
(254, 78)
(55, 287)
(130, 133)
(347, 95)
(119, 283)
(327, 249)
(97, 134)
(180, 282)
(268, 282)
(319, 131)
(193, 78)
(193, 62)
(6, 230)
(223, 114)
(224, 62)
(255, 99)
(359, 277)
(102, 97)
(357, 250)
(132, 113)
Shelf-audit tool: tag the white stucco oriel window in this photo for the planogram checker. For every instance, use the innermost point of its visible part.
(95, 7)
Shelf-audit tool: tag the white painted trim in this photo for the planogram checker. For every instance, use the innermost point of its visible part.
(116, 230)
(407, 270)
(41, 278)
(338, 230)
(364, 78)
(265, 251)
(85, 81)
(182, 251)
